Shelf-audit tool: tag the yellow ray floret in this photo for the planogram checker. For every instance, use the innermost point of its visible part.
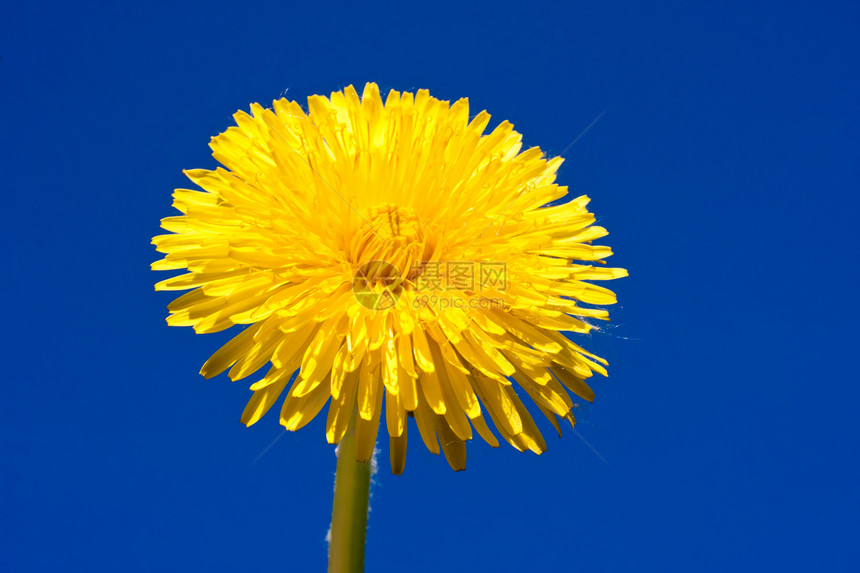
(390, 259)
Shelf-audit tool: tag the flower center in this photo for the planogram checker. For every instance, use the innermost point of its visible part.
(392, 234)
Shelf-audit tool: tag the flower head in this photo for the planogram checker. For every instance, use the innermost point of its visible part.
(395, 260)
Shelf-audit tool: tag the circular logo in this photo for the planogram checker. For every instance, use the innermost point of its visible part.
(377, 285)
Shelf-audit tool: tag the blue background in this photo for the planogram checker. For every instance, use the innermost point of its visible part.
(726, 169)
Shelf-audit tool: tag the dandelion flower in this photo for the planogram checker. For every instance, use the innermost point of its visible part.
(390, 259)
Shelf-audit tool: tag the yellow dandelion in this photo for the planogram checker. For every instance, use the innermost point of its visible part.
(390, 259)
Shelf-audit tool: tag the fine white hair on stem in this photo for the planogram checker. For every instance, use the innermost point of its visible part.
(374, 468)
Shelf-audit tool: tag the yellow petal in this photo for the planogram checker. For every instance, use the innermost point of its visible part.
(574, 383)
(318, 358)
(295, 344)
(299, 410)
(543, 395)
(397, 448)
(453, 447)
(390, 365)
(428, 382)
(366, 430)
(461, 387)
(408, 390)
(499, 405)
(263, 400)
(341, 409)
(395, 414)
(474, 355)
(254, 359)
(425, 419)
(228, 354)
(421, 349)
(484, 431)
(369, 391)
(404, 351)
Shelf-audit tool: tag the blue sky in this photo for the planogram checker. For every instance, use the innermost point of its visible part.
(725, 167)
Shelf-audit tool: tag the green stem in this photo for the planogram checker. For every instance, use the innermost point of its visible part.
(349, 514)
